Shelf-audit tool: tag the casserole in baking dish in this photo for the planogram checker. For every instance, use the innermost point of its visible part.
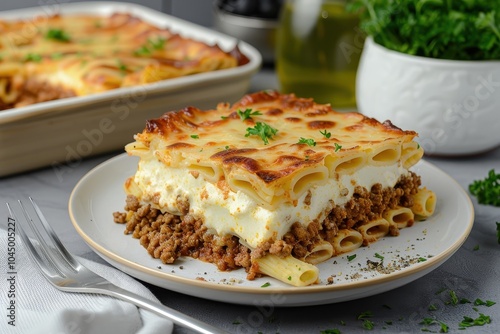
(131, 63)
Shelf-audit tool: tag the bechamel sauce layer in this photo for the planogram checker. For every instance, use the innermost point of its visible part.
(237, 214)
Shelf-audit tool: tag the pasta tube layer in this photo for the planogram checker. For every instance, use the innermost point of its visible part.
(311, 183)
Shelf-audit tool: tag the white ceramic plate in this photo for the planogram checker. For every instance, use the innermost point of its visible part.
(100, 193)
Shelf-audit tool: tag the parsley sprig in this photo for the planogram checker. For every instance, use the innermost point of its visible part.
(263, 130)
(461, 30)
(481, 320)
(308, 141)
(34, 57)
(487, 191)
(326, 134)
(431, 321)
(57, 35)
(150, 46)
(248, 113)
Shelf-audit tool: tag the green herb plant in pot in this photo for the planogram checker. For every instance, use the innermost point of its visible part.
(433, 66)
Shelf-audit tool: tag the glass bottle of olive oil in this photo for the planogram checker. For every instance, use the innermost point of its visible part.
(317, 51)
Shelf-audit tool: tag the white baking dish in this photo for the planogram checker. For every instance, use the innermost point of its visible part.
(61, 133)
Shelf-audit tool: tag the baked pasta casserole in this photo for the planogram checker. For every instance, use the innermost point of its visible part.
(76, 55)
(273, 183)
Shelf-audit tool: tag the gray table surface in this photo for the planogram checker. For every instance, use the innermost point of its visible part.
(471, 273)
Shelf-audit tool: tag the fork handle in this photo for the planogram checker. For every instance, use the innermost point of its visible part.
(177, 317)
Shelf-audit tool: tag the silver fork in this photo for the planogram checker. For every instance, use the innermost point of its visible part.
(65, 272)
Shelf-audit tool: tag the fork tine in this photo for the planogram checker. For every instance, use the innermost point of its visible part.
(44, 246)
(32, 250)
(82, 279)
(53, 236)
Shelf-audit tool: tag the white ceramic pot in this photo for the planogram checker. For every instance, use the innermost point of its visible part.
(453, 105)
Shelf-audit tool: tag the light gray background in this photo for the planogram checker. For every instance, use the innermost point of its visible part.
(198, 11)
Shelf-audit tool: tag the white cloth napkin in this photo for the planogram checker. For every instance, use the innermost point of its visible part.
(41, 308)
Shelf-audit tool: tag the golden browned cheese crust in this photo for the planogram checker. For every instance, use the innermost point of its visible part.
(77, 55)
(310, 143)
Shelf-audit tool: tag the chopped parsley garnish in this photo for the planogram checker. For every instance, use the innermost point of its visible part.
(330, 331)
(143, 51)
(195, 136)
(265, 285)
(487, 191)
(422, 259)
(56, 55)
(454, 298)
(479, 321)
(308, 141)
(247, 114)
(151, 45)
(427, 321)
(326, 134)
(378, 256)
(487, 303)
(432, 307)
(57, 35)
(431, 321)
(476, 247)
(35, 57)
(121, 66)
(224, 117)
(368, 324)
(289, 278)
(158, 44)
(444, 327)
(364, 315)
(337, 147)
(351, 257)
(263, 130)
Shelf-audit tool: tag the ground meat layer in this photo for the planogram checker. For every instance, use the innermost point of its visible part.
(167, 237)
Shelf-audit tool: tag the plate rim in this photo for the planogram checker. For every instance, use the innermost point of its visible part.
(428, 265)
